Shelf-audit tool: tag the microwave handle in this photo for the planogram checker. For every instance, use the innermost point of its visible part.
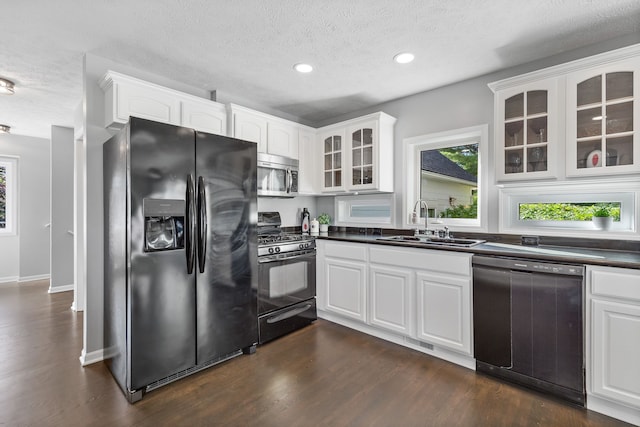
(289, 180)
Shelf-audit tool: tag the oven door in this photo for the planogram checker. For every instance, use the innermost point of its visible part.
(286, 279)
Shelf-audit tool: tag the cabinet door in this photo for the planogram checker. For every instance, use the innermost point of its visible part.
(144, 102)
(362, 143)
(444, 311)
(615, 351)
(391, 299)
(251, 127)
(603, 120)
(308, 156)
(208, 116)
(345, 288)
(333, 161)
(282, 139)
(527, 131)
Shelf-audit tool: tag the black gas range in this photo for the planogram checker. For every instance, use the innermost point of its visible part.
(286, 278)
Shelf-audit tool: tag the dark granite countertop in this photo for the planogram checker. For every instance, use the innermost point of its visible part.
(625, 256)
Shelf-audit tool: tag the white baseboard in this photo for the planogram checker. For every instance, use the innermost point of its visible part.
(8, 279)
(432, 350)
(56, 289)
(92, 357)
(612, 409)
(33, 278)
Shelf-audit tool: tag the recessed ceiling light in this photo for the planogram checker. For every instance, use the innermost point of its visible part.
(303, 68)
(5, 129)
(6, 86)
(404, 58)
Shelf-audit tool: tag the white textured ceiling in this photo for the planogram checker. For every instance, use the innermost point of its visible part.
(248, 47)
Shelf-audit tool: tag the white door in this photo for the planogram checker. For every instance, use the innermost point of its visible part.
(391, 299)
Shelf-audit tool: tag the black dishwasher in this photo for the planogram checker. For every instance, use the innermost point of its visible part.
(528, 327)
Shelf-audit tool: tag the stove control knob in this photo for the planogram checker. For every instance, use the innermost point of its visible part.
(270, 250)
(306, 245)
(301, 246)
(277, 249)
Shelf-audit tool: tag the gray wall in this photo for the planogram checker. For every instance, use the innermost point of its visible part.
(26, 256)
(290, 209)
(62, 159)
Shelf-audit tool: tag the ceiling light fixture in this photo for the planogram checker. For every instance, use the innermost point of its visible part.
(6, 86)
(5, 129)
(303, 68)
(404, 58)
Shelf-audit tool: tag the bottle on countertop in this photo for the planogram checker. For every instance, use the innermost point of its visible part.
(305, 221)
(315, 227)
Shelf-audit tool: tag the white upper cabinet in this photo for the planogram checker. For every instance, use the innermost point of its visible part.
(603, 119)
(127, 96)
(357, 155)
(571, 120)
(308, 181)
(527, 131)
(272, 134)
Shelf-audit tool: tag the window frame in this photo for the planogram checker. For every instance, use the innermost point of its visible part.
(11, 207)
(624, 191)
(412, 161)
(343, 205)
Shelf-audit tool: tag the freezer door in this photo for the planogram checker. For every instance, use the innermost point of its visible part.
(161, 292)
(227, 251)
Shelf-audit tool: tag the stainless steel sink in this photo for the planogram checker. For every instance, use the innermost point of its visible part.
(435, 241)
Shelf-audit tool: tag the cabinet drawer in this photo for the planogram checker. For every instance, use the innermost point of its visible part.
(616, 283)
(423, 259)
(346, 251)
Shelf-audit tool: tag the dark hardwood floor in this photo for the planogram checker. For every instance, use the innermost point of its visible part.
(323, 375)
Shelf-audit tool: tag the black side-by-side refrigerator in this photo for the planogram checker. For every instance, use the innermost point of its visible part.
(180, 256)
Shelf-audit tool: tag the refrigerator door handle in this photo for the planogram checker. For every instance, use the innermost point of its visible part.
(202, 224)
(190, 217)
(289, 180)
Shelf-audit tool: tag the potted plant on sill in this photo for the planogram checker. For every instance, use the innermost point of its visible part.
(324, 219)
(602, 218)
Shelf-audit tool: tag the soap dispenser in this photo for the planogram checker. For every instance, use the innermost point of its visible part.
(305, 221)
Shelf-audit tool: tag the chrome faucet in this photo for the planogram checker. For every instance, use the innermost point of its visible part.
(415, 216)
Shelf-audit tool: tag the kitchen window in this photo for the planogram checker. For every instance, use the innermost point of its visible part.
(553, 208)
(8, 195)
(375, 209)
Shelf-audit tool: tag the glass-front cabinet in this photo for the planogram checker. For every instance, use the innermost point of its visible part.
(603, 120)
(357, 155)
(527, 132)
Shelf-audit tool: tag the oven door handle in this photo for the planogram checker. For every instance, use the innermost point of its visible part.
(270, 258)
(288, 314)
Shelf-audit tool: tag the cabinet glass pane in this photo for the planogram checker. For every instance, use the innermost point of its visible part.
(537, 159)
(513, 162)
(357, 176)
(590, 91)
(328, 146)
(327, 162)
(589, 122)
(619, 85)
(337, 178)
(367, 156)
(367, 136)
(589, 154)
(367, 175)
(327, 179)
(620, 117)
(620, 151)
(536, 102)
(537, 130)
(514, 106)
(337, 160)
(513, 134)
(357, 138)
(356, 157)
(337, 143)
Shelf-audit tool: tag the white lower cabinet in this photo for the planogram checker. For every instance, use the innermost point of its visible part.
(415, 297)
(391, 298)
(444, 310)
(613, 340)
